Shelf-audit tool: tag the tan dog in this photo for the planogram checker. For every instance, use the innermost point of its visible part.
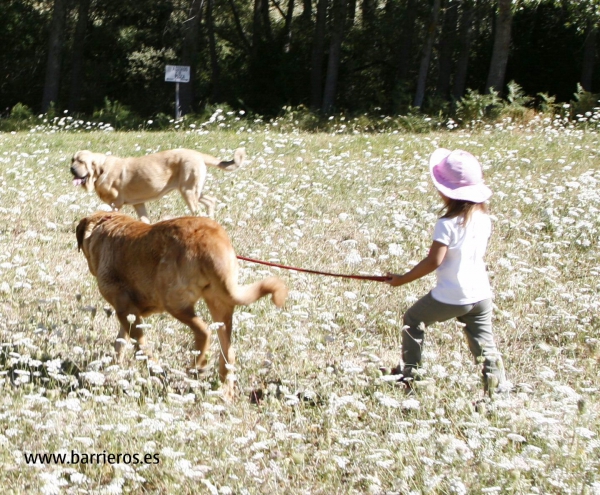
(167, 267)
(135, 180)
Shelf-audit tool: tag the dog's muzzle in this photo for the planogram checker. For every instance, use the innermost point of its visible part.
(78, 180)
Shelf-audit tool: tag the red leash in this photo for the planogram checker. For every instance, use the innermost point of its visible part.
(375, 278)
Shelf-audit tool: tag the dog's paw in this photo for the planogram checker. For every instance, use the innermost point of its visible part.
(229, 390)
(198, 372)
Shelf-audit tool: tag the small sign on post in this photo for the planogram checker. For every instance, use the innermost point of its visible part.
(177, 74)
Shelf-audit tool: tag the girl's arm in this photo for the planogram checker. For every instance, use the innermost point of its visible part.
(436, 255)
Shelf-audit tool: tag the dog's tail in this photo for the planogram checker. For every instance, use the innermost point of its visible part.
(247, 294)
(239, 156)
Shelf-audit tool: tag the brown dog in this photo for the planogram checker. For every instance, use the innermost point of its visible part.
(144, 269)
(136, 180)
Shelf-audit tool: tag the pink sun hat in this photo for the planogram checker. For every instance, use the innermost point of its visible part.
(457, 175)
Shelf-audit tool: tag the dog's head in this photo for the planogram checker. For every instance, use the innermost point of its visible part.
(83, 232)
(87, 225)
(80, 232)
(85, 168)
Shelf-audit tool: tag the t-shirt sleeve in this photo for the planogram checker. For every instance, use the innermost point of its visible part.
(442, 232)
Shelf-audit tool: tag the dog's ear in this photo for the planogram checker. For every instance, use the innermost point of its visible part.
(80, 232)
(93, 163)
(92, 169)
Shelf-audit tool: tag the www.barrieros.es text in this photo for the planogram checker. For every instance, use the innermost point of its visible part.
(93, 458)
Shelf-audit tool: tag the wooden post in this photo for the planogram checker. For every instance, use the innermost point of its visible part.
(177, 107)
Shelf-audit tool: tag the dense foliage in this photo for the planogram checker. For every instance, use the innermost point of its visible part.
(87, 56)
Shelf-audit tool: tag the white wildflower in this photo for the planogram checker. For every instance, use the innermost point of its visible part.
(458, 487)
(251, 468)
(395, 250)
(70, 404)
(94, 378)
(86, 441)
(411, 404)
(398, 437)
(216, 326)
(585, 433)
(386, 401)
(78, 478)
(353, 257)
(516, 438)
(115, 487)
(211, 488)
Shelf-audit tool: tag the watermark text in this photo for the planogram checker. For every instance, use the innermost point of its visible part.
(90, 458)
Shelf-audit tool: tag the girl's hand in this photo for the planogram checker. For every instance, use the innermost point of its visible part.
(434, 259)
(394, 280)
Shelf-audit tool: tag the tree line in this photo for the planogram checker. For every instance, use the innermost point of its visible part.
(355, 56)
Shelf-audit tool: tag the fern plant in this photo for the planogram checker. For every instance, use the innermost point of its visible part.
(117, 114)
(474, 108)
(517, 102)
(584, 101)
(547, 104)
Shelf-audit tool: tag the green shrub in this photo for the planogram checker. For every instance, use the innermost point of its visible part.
(118, 115)
(20, 117)
(160, 121)
(517, 103)
(584, 101)
(301, 118)
(416, 121)
(435, 104)
(547, 104)
(474, 108)
(21, 112)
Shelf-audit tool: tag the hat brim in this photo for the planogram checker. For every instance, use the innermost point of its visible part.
(477, 193)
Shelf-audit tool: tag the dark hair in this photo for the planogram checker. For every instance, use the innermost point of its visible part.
(459, 208)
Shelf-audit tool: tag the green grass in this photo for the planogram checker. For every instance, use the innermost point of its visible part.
(328, 423)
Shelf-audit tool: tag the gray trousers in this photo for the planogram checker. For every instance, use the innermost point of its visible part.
(478, 320)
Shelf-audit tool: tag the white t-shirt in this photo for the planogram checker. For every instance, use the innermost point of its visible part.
(462, 277)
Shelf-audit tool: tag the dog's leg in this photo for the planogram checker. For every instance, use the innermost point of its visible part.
(190, 200)
(210, 202)
(224, 314)
(140, 209)
(201, 335)
(192, 184)
(137, 334)
(129, 329)
(121, 342)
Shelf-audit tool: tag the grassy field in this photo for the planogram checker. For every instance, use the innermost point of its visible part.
(328, 422)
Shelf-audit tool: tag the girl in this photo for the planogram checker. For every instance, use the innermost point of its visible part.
(463, 290)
